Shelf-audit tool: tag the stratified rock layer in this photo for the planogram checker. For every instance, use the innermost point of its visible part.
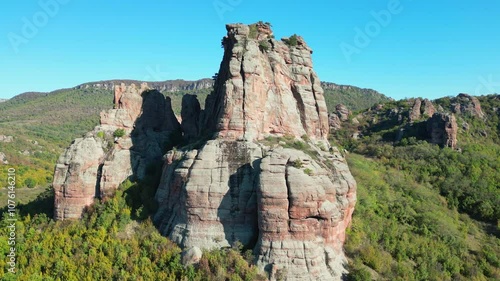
(291, 207)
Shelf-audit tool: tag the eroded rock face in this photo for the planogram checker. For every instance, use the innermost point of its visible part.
(465, 103)
(442, 129)
(429, 108)
(290, 207)
(303, 213)
(4, 138)
(334, 122)
(94, 166)
(343, 112)
(75, 177)
(415, 110)
(265, 91)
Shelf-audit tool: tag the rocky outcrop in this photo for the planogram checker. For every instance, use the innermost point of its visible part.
(465, 103)
(343, 112)
(272, 90)
(3, 158)
(340, 115)
(442, 129)
(94, 166)
(429, 108)
(414, 113)
(75, 177)
(4, 138)
(334, 122)
(292, 208)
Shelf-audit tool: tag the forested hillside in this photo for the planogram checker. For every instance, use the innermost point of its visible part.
(424, 212)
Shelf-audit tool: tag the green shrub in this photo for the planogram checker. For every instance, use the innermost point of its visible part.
(100, 134)
(292, 41)
(30, 183)
(253, 31)
(118, 133)
(308, 171)
(297, 163)
(264, 45)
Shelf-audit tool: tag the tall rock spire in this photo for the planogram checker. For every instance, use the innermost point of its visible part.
(266, 87)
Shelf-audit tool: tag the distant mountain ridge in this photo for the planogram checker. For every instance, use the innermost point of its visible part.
(206, 83)
(162, 86)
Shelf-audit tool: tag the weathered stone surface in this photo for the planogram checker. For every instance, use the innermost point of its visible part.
(343, 112)
(3, 158)
(75, 177)
(4, 138)
(191, 256)
(415, 110)
(303, 213)
(292, 209)
(334, 122)
(465, 103)
(442, 129)
(429, 108)
(260, 93)
(83, 174)
(207, 197)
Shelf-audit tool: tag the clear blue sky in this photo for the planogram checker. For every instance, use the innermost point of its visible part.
(426, 48)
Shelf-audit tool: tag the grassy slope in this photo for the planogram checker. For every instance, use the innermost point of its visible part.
(354, 98)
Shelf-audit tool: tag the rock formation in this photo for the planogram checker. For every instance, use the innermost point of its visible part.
(343, 112)
(273, 91)
(442, 129)
(4, 138)
(429, 108)
(340, 115)
(334, 121)
(465, 103)
(291, 207)
(94, 166)
(415, 110)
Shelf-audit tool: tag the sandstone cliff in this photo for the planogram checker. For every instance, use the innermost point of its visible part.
(291, 207)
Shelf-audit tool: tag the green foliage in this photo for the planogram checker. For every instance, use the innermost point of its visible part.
(354, 98)
(100, 134)
(297, 164)
(404, 230)
(292, 41)
(308, 171)
(264, 45)
(118, 133)
(30, 183)
(253, 31)
(109, 244)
